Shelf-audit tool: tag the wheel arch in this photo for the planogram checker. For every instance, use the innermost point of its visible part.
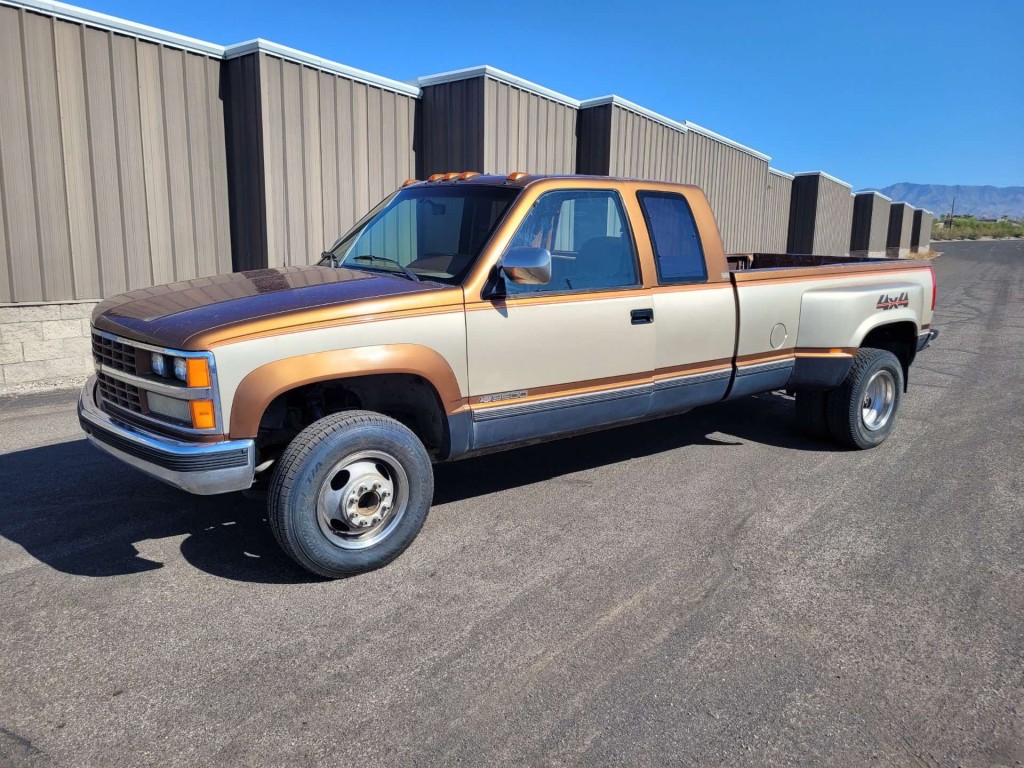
(268, 382)
(899, 336)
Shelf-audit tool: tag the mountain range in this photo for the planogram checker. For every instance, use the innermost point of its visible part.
(982, 202)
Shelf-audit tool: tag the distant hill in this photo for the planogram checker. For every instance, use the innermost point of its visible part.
(982, 202)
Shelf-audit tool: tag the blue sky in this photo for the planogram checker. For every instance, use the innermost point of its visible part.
(872, 92)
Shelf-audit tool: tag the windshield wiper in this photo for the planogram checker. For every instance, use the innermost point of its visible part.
(405, 270)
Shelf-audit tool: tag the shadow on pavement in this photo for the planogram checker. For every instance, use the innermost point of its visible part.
(84, 513)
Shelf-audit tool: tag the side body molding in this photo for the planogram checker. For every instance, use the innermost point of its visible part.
(259, 388)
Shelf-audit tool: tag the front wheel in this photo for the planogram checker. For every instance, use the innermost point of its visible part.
(350, 493)
(862, 411)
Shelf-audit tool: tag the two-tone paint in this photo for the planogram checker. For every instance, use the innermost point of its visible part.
(519, 368)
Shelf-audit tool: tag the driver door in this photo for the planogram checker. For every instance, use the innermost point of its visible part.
(572, 354)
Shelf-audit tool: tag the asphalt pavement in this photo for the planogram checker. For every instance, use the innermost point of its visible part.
(711, 589)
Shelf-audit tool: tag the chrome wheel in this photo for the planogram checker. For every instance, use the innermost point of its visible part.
(362, 500)
(879, 400)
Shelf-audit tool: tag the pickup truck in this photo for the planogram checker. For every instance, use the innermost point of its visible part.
(469, 313)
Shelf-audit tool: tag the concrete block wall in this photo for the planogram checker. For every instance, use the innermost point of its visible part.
(44, 345)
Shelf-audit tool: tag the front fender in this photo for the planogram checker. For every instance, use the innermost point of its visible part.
(259, 388)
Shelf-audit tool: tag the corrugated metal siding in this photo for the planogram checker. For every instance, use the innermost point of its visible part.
(486, 125)
(453, 127)
(642, 148)
(870, 225)
(921, 233)
(112, 162)
(834, 220)
(901, 223)
(616, 141)
(333, 148)
(593, 140)
(524, 131)
(776, 213)
(735, 183)
(820, 216)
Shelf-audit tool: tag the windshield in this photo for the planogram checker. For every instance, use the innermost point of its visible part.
(435, 233)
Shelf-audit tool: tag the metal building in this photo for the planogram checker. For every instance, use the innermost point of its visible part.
(314, 146)
(921, 231)
(779, 193)
(820, 215)
(112, 152)
(619, 138)
(901, 224)
(483, 119)
(870, 224)
(616, 137)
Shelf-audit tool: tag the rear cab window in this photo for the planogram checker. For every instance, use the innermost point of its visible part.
(678, 253)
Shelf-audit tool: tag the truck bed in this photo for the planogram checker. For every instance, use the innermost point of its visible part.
(745, 261)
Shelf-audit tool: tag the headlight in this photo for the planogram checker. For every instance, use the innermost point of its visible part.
(159, 364)
(180, 369)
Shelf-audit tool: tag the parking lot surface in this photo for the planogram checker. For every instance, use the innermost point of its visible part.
(708, 589)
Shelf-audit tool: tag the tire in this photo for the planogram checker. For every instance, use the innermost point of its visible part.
(862, 410)
(812, 413)
(350, 493)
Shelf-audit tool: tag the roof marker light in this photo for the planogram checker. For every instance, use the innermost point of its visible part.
(407, 182)
(451, 175)
(467, 175)
(517, 175)
(435, 177)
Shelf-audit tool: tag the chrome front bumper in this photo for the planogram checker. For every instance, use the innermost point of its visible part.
(202, 468)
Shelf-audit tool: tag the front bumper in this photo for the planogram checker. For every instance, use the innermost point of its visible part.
(925, 339)
(202, 468)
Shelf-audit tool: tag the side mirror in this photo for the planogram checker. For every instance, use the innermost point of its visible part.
(528, 266)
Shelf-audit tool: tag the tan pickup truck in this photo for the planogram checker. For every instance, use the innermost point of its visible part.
(469, 313)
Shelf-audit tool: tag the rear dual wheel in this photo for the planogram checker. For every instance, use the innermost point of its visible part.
(861, 412)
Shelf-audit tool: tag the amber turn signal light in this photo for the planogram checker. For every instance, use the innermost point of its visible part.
(197, 372)
(203, 416)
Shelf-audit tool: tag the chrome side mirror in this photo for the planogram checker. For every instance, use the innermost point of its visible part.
(528, 266)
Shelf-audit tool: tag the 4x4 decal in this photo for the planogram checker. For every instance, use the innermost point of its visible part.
(885, 301)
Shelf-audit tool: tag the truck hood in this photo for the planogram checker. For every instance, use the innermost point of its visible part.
(175, 315)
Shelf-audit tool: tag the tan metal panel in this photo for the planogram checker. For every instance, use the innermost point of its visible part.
(16, 164)
(155, 164)
(50, 195)
(360, 141)
(776, 214)
(294, 186)
(217, 158)
(106, 184)
(312, 179)
(199, 140)
(834, 218)
(172, 66)
(329, 157)
(273, 159)
(374, 145)
(130, 161)
(346, 172)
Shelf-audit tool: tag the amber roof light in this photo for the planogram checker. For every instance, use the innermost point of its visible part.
(517, 175)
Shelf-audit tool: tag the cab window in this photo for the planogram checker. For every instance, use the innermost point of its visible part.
(588, 236)
(677, 250)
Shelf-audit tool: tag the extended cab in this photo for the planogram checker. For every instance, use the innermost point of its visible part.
(470, 313)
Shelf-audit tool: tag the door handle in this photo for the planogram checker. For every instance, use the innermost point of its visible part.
(641, 316)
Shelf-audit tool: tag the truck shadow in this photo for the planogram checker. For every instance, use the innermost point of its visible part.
(83, 513)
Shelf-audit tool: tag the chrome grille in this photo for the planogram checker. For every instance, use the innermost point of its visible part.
(119, 393)
(114, 354)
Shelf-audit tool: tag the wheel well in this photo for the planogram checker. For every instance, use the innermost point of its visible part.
(900, 339)
(407, 398)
